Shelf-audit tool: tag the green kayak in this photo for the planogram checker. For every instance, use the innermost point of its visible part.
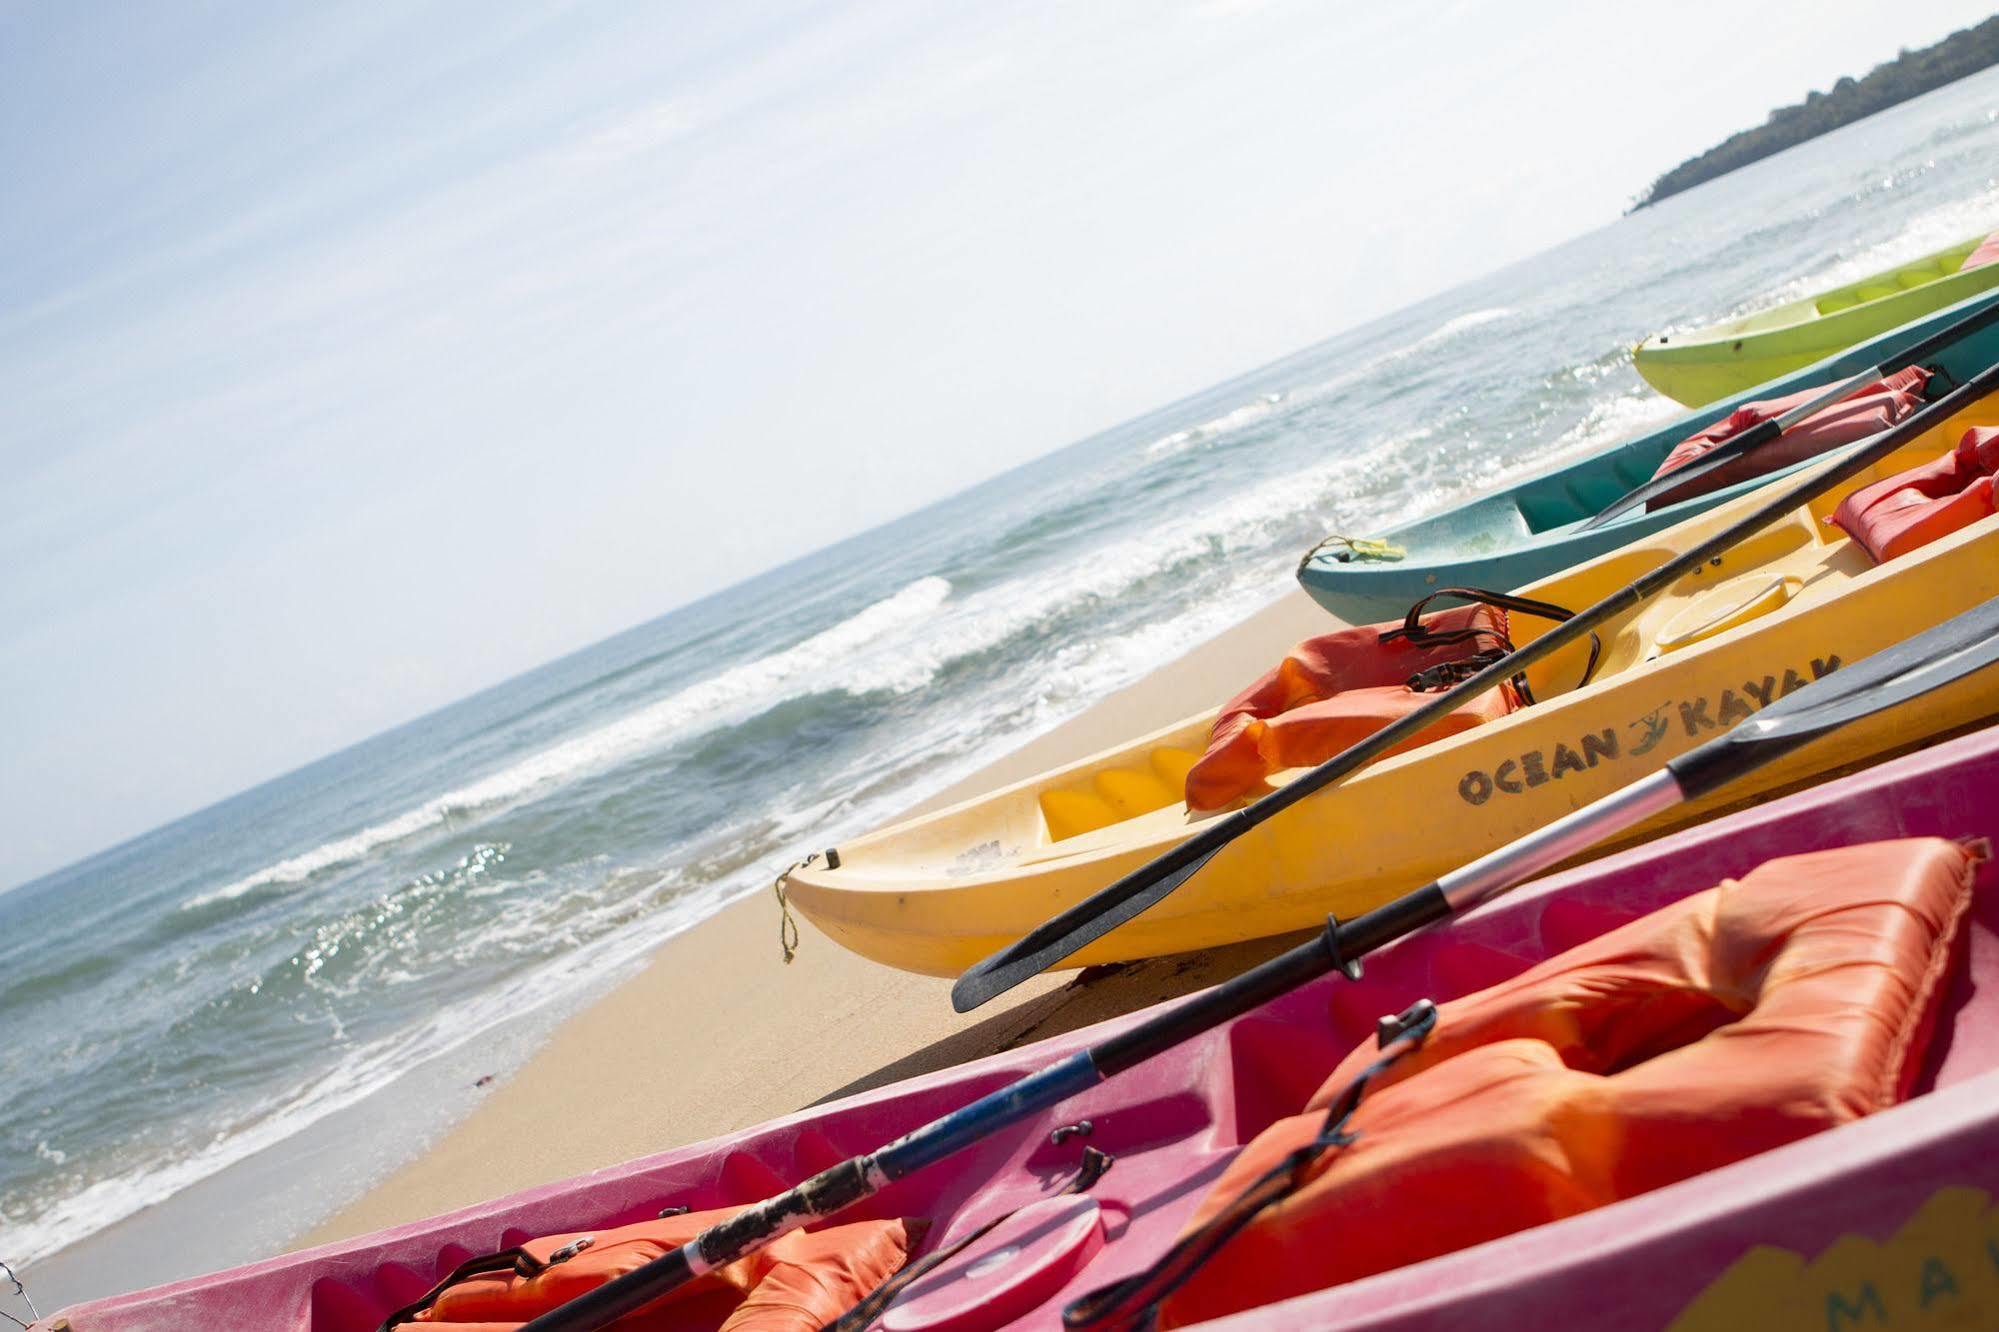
(1709, 363)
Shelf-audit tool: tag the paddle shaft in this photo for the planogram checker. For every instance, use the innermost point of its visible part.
(1930, 660)
(862, 1177)
(1062, 935)
(1765, 431)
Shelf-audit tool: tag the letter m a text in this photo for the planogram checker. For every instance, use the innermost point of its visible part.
(1864, 1310)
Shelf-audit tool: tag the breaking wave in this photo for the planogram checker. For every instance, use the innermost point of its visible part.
(1463, 323)
(798, 669)
(1227, 423)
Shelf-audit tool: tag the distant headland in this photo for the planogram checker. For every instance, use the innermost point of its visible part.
(1910, 74)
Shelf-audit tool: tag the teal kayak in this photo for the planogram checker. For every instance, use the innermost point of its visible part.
(1529, 530)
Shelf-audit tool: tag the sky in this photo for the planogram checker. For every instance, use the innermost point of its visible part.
(355, 358)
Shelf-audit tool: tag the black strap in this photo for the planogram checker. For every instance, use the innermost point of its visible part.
(516, 1259)
(1447, 674)
(1131, 1303)
(1095, 1163)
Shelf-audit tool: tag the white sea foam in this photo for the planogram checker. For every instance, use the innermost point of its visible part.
(1612, 420)
(1245, 522)
(1261, 407)
(1463, 323)
(595, 943)
(355, 1075)
(796, 670)
(1226, 423)
(1920, 235)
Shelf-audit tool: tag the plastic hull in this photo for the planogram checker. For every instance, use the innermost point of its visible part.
(941, 891)
(1728, 1249)
(1529, 530)
(1700, 366)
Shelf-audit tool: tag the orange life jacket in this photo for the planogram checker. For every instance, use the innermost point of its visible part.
(1741, 1018)
(1869, 411)
(799, 1283)
(1896, 515)
(1339, 688)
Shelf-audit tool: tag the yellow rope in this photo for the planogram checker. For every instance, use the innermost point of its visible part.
(1365, 548)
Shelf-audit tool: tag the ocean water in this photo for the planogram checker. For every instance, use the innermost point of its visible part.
(176, 1006)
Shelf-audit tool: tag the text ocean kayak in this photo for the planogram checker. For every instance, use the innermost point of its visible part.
(1698, 366)
(1529, 530)
(943, 890)
(1854, 1216)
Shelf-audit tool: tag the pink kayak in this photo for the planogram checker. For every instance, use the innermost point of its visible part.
(1880, 1223)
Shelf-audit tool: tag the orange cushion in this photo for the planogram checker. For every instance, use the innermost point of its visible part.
(1736, 1020)
(1334, 691)
(1911, 509)
(800, 1281)
(1867, 412)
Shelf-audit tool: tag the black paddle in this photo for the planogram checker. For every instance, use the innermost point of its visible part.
(1765, 431)
(1936, 657)
(1103, 911)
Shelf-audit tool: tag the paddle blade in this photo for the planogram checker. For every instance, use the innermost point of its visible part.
(1954, 650)
(1053, 941)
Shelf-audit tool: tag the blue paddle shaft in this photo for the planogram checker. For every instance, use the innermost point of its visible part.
(995, 1110)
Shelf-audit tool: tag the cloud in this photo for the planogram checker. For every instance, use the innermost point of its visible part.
(644, 131)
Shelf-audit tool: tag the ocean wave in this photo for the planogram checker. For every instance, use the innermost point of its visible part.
(1612, 420)
(1261, 407)
(1920, 235)
(1226, 423)
(904, 642)
(593, 936)
(356, 1075)
(1245, 523)
(1463, 323)
(800, 668)
(593, 931)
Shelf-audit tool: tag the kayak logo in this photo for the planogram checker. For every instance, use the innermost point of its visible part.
(1941, 1269)
(1692, 719)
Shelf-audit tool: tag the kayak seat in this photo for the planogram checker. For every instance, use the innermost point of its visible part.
(1867, 412)
(1337, 689)
(1795, 999)
(798, 1283)
(1114, 795)
(1912, 508)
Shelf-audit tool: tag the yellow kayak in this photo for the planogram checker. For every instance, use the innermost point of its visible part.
(1789, 604)
(1701, 366)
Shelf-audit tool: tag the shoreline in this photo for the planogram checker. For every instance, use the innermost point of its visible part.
(649, 1066)
(711, 1034)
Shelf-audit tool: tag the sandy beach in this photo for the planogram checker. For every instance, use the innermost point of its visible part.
(718, 1033)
